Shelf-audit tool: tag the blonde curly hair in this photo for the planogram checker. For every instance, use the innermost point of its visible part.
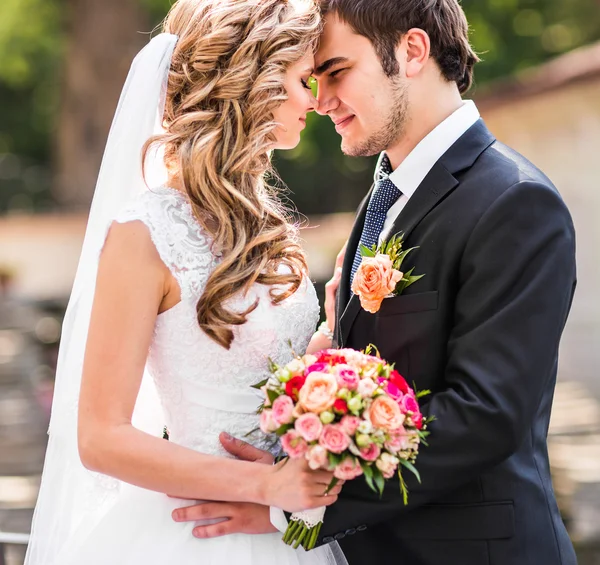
(226, 79)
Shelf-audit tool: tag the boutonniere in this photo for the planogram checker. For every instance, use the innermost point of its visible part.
(379, 275)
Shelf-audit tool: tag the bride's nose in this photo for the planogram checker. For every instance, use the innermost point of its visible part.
(313, 103)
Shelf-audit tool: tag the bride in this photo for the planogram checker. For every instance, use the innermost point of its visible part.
(183, 292)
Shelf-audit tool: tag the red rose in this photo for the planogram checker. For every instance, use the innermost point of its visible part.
(293, 386)
(340, 405)
(330, 358)
(399, 381)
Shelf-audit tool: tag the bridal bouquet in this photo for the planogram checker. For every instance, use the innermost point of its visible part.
(344, 411)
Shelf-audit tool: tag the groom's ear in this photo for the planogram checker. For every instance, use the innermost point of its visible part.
(413, 52)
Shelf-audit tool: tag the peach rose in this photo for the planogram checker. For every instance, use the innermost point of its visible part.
(318, 392)
(375, 279)
(385, 414)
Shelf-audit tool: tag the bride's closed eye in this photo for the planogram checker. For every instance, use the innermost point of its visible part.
(305, 84)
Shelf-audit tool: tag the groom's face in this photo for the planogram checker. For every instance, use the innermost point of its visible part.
(369, 109)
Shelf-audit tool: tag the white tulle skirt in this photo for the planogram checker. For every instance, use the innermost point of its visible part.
(139, 530)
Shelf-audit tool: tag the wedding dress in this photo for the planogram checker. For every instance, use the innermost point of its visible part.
(204, 389)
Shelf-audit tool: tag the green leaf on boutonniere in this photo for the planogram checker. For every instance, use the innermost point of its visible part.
(401, 256)
(366, 252)
(406, 281)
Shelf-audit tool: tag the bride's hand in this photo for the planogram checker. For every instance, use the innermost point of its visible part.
(293, 486)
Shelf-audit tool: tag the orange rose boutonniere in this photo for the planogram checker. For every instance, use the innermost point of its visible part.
(379, 275)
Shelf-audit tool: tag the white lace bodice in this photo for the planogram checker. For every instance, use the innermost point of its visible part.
(204, 388)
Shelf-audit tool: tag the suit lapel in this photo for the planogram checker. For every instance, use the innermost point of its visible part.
(438, 183)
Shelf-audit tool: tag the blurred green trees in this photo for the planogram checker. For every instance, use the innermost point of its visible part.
(510, 35)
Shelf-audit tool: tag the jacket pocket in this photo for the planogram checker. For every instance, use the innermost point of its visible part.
(410, 303)
(478, 521)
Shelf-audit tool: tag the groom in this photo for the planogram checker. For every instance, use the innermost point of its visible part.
(481, 329)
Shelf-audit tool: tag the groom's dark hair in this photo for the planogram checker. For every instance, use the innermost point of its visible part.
(384, 22)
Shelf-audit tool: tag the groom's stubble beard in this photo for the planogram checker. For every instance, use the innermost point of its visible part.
(393, 128)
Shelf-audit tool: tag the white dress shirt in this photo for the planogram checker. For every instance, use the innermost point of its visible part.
(413, 170)
(407, 178)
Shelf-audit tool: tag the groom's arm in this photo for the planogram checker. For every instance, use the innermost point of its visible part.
(517, 278)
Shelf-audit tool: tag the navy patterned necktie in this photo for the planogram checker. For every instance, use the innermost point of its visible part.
(384, 196)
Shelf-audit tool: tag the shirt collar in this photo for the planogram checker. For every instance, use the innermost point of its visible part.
(411, 172)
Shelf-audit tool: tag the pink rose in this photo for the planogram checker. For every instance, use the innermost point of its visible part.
(309, 426)
(371, 452)
(347, 377)
(398, 441)
(409, 404)
(267, 423)
(384, 413)
(283, 407)
(317, 458)
(375, 279)
(350, 424)
(393, 391)
(334, 438)
(293, 444)
(318, 392)
(366, 387)
(348, 469)
(317, 368)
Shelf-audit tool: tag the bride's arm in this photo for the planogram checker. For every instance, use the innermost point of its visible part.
(132, 286)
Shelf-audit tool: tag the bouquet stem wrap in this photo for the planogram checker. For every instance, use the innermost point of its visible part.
(304, 527)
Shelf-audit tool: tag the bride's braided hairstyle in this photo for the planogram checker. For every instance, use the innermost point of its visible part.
(226, 79)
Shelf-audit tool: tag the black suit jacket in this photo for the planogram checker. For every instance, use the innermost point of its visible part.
(481, 330)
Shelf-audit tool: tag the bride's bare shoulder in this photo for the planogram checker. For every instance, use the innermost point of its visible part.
(130, 260)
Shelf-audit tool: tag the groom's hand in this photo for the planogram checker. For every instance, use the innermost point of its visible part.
(239, 518)
(332, 286)
(244, 451)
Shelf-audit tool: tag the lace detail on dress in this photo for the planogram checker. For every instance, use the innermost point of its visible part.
(181, 242)
(204, 388)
